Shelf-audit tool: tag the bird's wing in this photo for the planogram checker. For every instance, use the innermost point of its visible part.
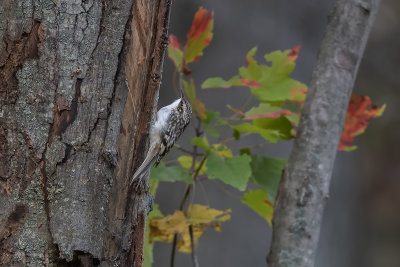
(148, 161)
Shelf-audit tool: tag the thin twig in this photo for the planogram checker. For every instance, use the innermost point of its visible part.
(173, 250)
(203, 190)
(227, 192)
(232, 138)
(245, 104)
(188, 151)
(194, 256)
(174, 84)
(170, 162)
(250, 147)
(203, 160)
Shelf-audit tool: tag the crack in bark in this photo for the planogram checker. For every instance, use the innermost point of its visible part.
(53, 248)
(65, 115)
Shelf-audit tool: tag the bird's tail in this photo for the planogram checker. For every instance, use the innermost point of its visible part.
(148, 161)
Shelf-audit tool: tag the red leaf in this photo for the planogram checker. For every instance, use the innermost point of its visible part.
(174, 42)
(359, 112)
(293, 54)
(276, 114)
(199, 35)
(175, 52)
(250, 83)
(201, 21)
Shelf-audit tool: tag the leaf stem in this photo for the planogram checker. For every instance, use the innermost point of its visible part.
(232, 138)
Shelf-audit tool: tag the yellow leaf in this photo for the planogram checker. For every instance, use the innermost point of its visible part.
(184, 245)
(164, 228)
(222, 151)
(199, 214)
(186, 162)
(200, 217)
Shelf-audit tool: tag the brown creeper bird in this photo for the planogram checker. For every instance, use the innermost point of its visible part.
(170, 123)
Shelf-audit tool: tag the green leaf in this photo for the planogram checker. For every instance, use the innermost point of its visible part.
(186, 162)
(210, 116)
(218, 82)
(211, 130)
(148, 247)
(263, 108)
(236, 134)
(175, 51)
(171, 174)
(153, 186)
(268, 83)
(258, 201)
(267, 173)
(245, 150)
(250, 55)
(234, 171)
(268, 134)
(222, 150)
(190, 91)
(280, 125)
(201, 142)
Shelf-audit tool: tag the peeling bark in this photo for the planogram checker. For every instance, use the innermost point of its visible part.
(69, 138)
(305, 182)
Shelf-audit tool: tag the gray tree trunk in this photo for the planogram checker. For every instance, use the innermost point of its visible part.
(71, 130)
(305, 183)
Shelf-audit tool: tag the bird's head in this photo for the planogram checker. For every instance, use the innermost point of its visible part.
(184, 107)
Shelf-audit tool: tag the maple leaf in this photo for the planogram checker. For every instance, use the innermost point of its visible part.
(276, 114)
(199, 35)
(269, 82)
(258, 201)
(294, 53)
(250, 83)
(359, 112)
(175, 51)
(198, 216)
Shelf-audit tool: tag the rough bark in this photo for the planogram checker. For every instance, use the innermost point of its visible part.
(305, 182)
(69, 139)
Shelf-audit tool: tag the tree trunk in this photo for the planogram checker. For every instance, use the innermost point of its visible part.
(305, 183)
(79, 84)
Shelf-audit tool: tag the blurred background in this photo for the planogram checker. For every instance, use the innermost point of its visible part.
(361, 225)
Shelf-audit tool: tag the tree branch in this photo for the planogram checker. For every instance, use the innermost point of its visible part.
(305, 183)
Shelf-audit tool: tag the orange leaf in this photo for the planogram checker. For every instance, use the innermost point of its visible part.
(359, 112)
(293, 54)
(201, 21)
(201, 110)
(199, 35)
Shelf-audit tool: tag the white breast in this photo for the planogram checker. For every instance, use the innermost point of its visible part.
(162, 117)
